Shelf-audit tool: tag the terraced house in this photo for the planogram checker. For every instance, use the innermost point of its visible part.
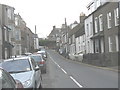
(15, 37)
(105, 34)
(7, 26)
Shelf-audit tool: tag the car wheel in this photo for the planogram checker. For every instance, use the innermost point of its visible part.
(40, 87)
(35, 85)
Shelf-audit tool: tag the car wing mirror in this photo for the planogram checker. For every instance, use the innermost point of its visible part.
(37, 68)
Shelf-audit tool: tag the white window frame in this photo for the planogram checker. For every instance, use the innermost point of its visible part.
(87, 29)
(9, 12)
(16, 21)
(117, 43)
(91, 28)
(116, 16)
(102, 45)
(96, 25)
(110, 44)
(101, 22)
(109, 19)
(97, 3)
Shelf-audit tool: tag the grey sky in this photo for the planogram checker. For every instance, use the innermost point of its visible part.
(47, 13)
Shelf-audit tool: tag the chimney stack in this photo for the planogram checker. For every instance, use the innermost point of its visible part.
(54, 27)
(35, 29)
(82, 17)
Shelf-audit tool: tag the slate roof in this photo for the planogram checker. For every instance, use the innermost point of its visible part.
(77, 30)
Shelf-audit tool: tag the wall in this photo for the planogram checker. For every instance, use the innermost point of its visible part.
(89, 34)
(104, 59)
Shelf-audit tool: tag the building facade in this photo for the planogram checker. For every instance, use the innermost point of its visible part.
(15, 37)
(105, 35)
(7, 26)
(88, 23)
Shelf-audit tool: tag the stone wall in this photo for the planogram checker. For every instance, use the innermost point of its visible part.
(102, 59)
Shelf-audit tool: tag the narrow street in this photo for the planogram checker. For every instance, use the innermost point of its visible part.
(62, 73)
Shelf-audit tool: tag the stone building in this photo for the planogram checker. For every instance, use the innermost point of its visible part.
(7, 27)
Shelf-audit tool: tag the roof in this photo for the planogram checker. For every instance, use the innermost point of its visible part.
(77, 30)
(81, 31)
(54, 31)
(18, 58)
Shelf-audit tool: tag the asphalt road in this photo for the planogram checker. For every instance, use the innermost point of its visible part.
(62, 73)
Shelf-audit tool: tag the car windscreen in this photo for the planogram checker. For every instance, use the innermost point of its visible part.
(16, 66)
(37, 58)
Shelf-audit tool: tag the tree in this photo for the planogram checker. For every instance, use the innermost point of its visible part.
(47, 43)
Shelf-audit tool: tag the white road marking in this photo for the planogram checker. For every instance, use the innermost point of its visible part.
(66, 72)
(76, 82)
(59, 66)
(63, 70)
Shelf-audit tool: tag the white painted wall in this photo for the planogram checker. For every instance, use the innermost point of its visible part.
(80, 44)
(88, 34)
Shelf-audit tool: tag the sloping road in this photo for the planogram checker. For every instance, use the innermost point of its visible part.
(62, 73)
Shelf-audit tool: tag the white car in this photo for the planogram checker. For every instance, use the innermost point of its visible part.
(43, 53)
(25, 70)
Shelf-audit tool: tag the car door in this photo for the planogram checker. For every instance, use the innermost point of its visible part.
(8, 81)
(37, 73)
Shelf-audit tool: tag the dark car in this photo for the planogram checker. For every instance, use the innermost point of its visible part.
(40, 61)
(8, 81)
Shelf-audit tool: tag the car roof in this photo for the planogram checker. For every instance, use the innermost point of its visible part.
(40, 51)
(17, 58)
(36, 55)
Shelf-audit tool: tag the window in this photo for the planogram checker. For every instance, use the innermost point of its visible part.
(87, 29)
(17, 35)
(18, 49)
(91, 28)
(96, 25)
(117, 44)
(97, 3)
(101, 22)
(69, 41)
(16, 21)
(109, 15)
(116, 16)
(110, 44)
(5, 35)
(96, 46)
(102, 45)
(9, 14)
(0, 36)
(5, 53)
(73, 38)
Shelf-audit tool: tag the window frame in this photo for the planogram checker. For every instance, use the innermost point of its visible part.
(116, 16)
(96, 24)
(109, 20)
(101, 22)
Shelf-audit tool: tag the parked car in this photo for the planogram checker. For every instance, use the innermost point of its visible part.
(43, 53)
(27, 54)
(25, 70)
(41, 62)
(7, 81)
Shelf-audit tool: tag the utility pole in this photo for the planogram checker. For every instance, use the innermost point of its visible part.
(35, 29)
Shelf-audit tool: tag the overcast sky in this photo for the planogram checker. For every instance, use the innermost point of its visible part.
(47, 13)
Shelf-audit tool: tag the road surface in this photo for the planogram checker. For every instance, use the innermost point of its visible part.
(63, 73)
